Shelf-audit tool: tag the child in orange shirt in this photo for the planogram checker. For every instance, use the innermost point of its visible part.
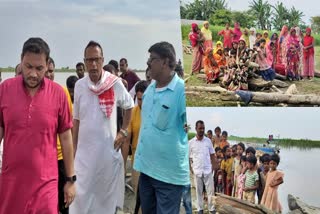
(224, 138)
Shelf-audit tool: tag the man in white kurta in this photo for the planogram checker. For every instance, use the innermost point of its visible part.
(98, 164)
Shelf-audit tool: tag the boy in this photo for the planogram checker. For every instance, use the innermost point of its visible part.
(226, 167)
(264, 169)
(217, 137)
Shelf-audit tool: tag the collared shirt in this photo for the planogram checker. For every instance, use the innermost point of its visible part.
(131, 77)
(199, 152)
(162, 151)
(31, 125)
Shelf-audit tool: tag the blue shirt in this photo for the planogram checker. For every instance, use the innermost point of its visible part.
(162, 151)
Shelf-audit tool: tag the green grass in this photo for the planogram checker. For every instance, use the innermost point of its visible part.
(299, 143)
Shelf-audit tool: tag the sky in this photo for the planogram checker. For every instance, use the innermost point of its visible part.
(295, 123)
(124, 28)
(308, 7)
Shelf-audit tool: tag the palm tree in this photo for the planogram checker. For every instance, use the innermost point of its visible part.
(295, 17)
(262, 10)
(280, 16)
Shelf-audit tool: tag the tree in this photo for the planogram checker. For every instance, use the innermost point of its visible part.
(280, 16)
(221, 17)
(262, 11)
(295, 17)
(315, 23)
(201, 9)
(245, 18)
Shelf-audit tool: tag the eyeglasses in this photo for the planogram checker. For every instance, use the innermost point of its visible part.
(91, 60)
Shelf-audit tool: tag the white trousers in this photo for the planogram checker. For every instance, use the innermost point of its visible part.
(207, 181)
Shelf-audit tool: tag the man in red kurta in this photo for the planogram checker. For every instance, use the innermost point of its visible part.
(33, 110)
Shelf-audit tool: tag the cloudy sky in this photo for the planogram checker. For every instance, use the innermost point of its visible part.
(297, 123)
(308, 7)
(125, 28)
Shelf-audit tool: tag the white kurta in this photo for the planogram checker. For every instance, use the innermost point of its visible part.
(98, 166)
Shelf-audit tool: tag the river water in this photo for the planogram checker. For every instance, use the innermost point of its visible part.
(301, 175)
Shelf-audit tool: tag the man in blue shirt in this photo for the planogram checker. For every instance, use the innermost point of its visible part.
(162, 152)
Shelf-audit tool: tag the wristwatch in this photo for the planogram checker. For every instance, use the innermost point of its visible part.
(71, 179)
(124, 132)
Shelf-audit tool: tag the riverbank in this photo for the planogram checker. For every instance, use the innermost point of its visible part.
(285, 142)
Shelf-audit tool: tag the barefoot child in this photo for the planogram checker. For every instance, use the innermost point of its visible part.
(273, 180)
(252, 180)
(217, 137)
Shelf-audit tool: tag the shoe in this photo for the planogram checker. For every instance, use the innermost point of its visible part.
(213, 212)
(200, 212)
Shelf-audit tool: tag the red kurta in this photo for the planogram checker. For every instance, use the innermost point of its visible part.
(29, 179)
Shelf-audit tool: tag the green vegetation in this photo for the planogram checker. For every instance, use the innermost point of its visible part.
(286, 142)
(299, 143)
(260, 14)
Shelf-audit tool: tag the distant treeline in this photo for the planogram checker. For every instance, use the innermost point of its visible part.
(285, 142)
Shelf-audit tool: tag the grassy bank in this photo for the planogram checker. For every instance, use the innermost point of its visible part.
(299, 143)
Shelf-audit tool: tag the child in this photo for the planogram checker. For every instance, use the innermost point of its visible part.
(273, 180)
(217, 137)
(265, 159)
(250, 151)
(224, 138)
(226, 167)
(252, 180)
(236, 167)
(234, 151)
(241, 177)
(218, 182)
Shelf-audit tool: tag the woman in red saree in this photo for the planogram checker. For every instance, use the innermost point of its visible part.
(197, 52)
(308, 55)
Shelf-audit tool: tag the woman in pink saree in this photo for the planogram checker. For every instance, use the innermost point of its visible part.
(293, 56)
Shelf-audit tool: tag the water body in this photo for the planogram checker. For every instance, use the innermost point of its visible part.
(60, 77)
(301, 175)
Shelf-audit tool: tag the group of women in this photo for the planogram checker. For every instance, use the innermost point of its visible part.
(291, 53)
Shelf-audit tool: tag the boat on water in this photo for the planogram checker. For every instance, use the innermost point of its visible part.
(271, 146)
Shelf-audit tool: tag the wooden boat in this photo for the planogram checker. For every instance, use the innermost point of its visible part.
(297, 206)
(226, 205)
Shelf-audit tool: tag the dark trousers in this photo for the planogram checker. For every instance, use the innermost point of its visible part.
(158, 197)
(61, 183)
(138, 201)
